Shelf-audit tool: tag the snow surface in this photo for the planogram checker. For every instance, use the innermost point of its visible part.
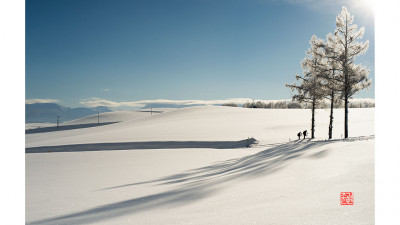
(38, 125)
(273, 182)
(117, 116)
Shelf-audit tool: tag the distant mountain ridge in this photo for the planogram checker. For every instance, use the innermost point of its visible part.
(47, 112)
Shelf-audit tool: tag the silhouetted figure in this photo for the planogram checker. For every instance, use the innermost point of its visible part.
(299, 135)
(305, 134)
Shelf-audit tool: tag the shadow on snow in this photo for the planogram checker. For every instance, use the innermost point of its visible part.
(65, 127)
(196, 184)
(144, 145)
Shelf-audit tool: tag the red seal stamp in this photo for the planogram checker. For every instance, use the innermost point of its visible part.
(346, 198)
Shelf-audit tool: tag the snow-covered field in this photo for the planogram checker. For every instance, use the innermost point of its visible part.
(191, 166)
(38, 125)
(118, 116)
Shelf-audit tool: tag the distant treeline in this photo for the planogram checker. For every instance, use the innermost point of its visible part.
(296, 105)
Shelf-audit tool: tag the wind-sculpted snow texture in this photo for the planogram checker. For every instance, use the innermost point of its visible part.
(273, 182)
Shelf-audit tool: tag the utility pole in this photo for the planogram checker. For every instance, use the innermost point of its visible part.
(98, 117)
(151, 111)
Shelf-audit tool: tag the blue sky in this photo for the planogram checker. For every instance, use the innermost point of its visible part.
(126, 51)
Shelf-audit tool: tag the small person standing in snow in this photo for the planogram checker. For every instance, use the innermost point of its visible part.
(299, 135)
(305, 134)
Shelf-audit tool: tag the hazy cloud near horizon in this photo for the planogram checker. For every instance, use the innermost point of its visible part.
(94, 102)
(33, 101)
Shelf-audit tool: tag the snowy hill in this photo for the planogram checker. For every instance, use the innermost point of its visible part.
(189, 166)
(117, 116)
(212, 123)
(47, 112)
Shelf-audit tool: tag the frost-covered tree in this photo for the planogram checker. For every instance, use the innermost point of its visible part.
(330, 74)
(352, 77)
(309, 90)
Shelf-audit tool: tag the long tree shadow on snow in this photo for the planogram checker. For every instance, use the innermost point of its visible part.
(194, 184)
(143, 145)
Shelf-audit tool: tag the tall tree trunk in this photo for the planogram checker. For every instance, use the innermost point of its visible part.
(346, 119)
(313, 118)
(346, 99)
(346, 104)
(331, 115)
(346, 85)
